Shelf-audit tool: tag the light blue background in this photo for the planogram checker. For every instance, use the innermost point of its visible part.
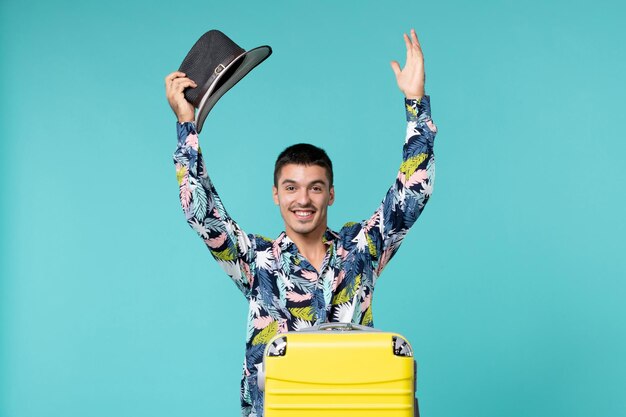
(511, 286)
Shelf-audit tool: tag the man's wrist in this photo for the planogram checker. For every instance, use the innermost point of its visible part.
(415, 94)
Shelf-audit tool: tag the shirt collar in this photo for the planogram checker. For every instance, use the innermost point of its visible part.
(330, 236)
(286, 243)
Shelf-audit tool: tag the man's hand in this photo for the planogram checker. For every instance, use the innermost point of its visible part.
(411, 78)
(175, 83)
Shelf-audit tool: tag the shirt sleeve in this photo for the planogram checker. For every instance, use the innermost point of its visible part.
(408, 195)
(230, 246)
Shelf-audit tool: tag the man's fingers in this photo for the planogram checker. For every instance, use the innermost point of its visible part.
(171, 77)
(182, 83)
(414, 40)
(177, 85)
(409, 45)
(395, 66)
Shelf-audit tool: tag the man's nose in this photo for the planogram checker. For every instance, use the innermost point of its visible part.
(304, 197)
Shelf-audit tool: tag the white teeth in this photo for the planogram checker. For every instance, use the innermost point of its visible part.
(303, 213)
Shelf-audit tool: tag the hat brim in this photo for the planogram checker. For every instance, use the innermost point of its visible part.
(230, 75)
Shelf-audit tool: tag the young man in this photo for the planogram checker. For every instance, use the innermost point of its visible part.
(309, 274)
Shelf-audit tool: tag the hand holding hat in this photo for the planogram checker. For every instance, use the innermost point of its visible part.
(212, 67)
(175, 84)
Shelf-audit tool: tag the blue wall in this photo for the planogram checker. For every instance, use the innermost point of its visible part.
(511, 286)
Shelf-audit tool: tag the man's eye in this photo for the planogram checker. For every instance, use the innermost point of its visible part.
(290, 188)
(317, 189)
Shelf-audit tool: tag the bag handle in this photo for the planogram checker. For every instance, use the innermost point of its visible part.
(339, 326)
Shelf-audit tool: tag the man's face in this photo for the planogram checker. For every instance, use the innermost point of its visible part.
(303, 194)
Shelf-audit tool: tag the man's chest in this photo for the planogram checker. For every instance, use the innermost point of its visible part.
(293, 291)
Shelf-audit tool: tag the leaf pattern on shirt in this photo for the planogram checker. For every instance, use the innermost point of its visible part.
(297, 297)
(304, 313)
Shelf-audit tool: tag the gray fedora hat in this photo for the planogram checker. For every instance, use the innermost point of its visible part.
(216, 64)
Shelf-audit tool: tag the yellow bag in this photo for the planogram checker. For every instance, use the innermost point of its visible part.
(339, 370)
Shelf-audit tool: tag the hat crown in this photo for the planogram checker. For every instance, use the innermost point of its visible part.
(213, 49)
(216, 64)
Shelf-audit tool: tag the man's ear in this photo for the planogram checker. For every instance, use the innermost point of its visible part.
(275, 194)
(332, 196)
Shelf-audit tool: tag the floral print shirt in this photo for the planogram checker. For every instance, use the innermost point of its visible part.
(285, 292)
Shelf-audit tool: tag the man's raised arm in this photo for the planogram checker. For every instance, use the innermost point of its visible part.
(205, 213)
(413, 186)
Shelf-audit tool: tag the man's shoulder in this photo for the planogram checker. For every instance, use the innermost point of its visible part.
(350, 229)
(348, 235)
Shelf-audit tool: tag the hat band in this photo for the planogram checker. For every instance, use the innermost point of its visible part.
(217, 71)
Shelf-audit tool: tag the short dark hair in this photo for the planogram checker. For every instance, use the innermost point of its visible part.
(303, 154)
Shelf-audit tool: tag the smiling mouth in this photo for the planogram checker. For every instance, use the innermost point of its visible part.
(303, 214)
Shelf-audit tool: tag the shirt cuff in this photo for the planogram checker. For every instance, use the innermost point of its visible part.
(185, 129)
(417, 109)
